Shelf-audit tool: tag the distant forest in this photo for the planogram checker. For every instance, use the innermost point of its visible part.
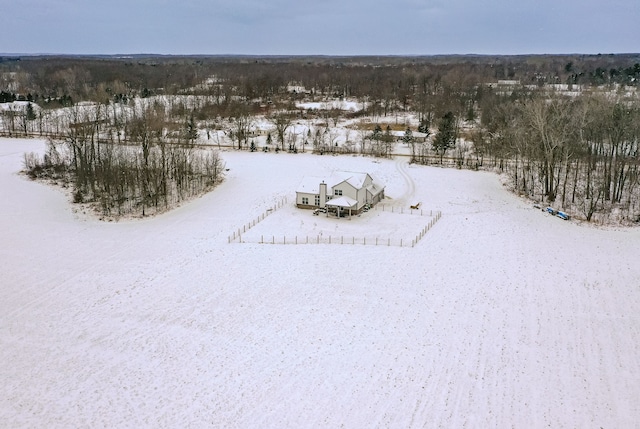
(99, 78)
(565, 128)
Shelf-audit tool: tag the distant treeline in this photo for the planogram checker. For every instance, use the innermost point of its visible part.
(107, 78)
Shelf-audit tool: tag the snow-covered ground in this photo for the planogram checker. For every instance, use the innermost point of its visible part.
(501, 316)
(351, 105)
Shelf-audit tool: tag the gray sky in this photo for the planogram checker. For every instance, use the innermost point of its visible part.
(323, 27)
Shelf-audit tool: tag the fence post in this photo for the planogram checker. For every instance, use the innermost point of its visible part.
(273, 239)
(401, 242)
(329, 239)
(261, 239)
(364, 240)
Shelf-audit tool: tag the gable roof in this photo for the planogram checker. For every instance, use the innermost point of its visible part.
(343, 201)
(374, 189)
(311, 185)
(354, 179)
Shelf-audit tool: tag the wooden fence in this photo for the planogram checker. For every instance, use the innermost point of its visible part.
(237, 234)
(240, 237)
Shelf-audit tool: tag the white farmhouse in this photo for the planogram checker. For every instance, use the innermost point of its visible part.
(342, 192)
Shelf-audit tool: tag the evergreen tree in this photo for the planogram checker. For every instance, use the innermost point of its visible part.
(7, 97)
(377, 133)
(387, 142)
(410, 141)
(446, 137)
(423, 127)
(31, 114)
(408, 136)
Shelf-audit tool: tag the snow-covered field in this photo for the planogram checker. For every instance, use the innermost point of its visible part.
(501, 316)
(351, 105)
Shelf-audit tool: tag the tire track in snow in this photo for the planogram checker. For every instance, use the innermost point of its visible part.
(401, 167)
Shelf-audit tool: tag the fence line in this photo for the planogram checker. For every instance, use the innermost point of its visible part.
(346, 240)
(247, 226)
(400, 209)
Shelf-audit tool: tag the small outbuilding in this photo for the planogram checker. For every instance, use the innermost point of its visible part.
(341, 193)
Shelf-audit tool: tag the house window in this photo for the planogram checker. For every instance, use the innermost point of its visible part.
(305, 201)
(317, 200)
(337, 192)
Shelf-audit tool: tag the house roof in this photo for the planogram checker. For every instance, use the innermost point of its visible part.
(343, 201)
(311, 185)
(374, 189)
(354, 179)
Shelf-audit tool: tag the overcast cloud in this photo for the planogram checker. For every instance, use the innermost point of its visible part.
(323, 27)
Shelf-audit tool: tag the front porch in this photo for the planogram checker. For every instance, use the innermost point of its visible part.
(342, 206)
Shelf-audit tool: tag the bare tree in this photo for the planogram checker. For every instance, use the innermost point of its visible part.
(282, 121)
(241, 128)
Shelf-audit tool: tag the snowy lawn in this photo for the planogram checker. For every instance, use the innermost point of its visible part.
(501, 316)
(383, 225)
